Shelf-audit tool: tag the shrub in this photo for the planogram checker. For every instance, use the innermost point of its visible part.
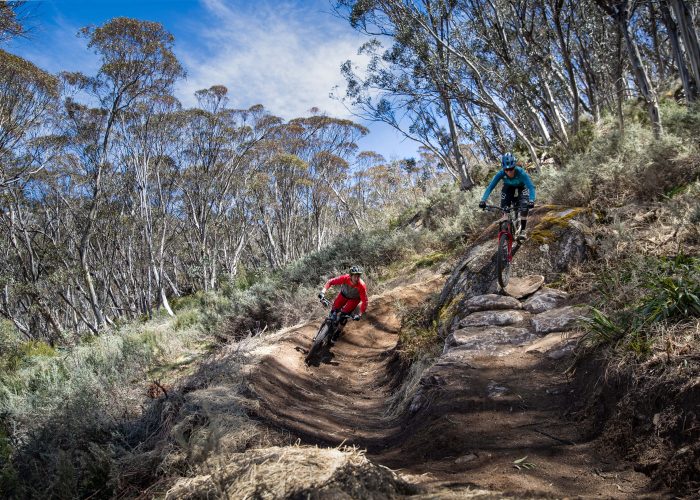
(186, 319)
(641, 294)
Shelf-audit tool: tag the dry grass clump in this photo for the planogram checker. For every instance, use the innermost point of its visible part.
(293, 472)
(418, 336)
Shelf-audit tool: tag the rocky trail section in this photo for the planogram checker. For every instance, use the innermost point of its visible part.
(492, 412)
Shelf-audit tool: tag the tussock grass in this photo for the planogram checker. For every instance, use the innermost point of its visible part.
(418, 336)
(294, 472)
(640, 299)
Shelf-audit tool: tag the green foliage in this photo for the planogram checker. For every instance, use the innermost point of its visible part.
(606, 169)
(640, 294)
(578, 143)
(604, 328)
(187, 318)
(675, 293)
(8, 474)
(680, 120)
(37, 348)
(430, 259)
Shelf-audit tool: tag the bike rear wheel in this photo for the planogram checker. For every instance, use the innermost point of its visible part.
(502, 261)
(320, 338)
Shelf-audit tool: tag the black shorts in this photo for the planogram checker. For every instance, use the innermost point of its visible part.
(515, 197)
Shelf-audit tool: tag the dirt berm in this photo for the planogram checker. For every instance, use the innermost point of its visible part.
(493, 417)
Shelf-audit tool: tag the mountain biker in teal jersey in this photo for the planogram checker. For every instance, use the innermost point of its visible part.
(517, 190)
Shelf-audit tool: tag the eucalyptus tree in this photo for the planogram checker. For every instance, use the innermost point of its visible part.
(28, 96)
(138, 65)
(220, 144)
(327, 145)
(442, 33)
(10, 25)
(682, 32)
(148, 151)
(621, 12)
(406, 86)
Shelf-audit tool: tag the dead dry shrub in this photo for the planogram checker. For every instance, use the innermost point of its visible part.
(293, 472)
(667, 169)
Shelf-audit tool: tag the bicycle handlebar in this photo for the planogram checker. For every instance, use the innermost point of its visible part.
(343, 315)
(494, 208)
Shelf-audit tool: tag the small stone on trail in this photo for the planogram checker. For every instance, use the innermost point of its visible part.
(494, 390)
(466, 458)
(522, 287)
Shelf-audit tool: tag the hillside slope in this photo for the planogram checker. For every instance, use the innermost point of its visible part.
(494, 414)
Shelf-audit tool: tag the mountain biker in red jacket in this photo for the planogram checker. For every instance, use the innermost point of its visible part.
(353, 291)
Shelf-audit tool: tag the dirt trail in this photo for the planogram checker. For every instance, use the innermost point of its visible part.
(484, 412)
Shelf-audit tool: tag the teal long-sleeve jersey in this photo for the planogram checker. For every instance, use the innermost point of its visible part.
(520, 180)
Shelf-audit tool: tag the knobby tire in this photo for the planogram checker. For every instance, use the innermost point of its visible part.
(502, 262)
(318, 342)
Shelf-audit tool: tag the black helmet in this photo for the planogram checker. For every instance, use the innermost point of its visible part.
(355, 270)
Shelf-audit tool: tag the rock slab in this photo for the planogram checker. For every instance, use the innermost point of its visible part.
(558, 320)
(545, 299)
(522, 287)
(491, 302)
(494, 318)
(486, 339)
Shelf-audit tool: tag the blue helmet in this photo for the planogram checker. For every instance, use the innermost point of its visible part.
(508, 161)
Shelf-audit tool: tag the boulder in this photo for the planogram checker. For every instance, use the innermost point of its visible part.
(545, 299)
(487, 339)
(558, 320)
(494, 318)
(559, 239)
(491, 302)
(522, 287)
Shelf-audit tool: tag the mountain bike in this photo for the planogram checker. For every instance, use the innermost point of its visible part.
(508, 233)
(329, 327)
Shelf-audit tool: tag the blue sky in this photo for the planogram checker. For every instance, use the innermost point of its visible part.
(284, 55)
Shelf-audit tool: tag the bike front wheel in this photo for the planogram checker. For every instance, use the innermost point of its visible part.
(503, 261)
(317, 343)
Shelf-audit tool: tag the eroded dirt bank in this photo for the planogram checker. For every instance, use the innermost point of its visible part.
(501, 419)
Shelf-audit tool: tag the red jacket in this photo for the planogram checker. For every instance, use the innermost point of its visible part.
(350, 291)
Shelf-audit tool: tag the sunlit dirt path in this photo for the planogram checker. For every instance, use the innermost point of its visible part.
(496, 421)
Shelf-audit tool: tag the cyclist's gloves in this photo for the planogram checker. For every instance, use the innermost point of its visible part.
(320, 295)
(530, 204)
(357, 317)
(482, 204)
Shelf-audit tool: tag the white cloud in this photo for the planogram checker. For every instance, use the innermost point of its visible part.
(284, 56)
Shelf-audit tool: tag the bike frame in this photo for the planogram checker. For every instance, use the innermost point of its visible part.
(507, 226)
(334, 319)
